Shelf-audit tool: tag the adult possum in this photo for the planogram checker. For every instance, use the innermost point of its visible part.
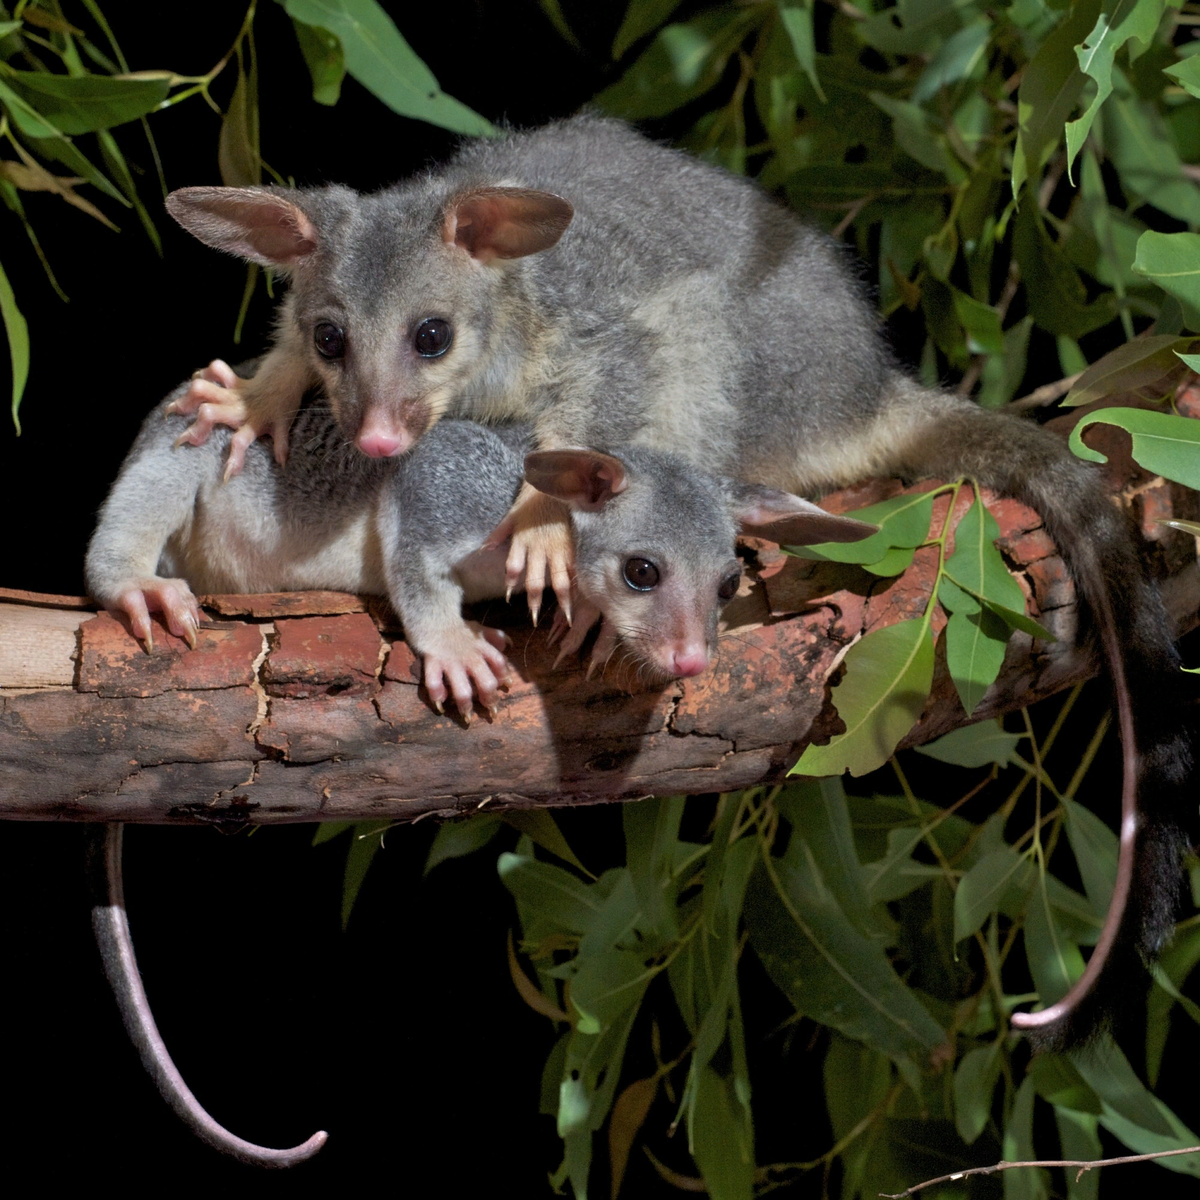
(611, 290)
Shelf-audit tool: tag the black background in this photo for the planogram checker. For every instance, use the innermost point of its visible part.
(403, 1036)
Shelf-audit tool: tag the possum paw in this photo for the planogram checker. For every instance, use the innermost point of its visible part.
(217, 396)
(137, 598)
(466, 660)
(540, 531)
(574, 633)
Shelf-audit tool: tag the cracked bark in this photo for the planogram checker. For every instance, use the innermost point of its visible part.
(306, 706)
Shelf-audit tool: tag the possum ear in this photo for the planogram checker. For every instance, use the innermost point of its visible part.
(505, 222)
(787, 519)
(584, 479)
(252, 223)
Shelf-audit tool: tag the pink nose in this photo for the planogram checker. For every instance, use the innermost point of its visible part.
(688, 661)
(383, 445)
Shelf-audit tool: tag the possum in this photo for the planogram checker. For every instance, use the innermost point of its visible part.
(656, 562)
(611, 290)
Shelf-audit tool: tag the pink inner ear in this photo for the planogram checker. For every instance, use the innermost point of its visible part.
(491, 223)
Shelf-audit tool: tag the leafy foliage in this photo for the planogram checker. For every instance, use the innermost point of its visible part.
(57, 83)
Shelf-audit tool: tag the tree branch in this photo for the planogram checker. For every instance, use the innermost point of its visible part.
(306, 707)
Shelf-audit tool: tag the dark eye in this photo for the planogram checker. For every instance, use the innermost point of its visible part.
(641, 574)
(433, 337)
(329, 340)
(729, 587)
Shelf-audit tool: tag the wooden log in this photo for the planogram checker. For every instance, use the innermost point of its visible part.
(306, 707)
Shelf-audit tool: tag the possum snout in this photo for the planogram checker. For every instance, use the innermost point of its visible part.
(389, 430)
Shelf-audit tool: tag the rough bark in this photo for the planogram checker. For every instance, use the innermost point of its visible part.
(303, 707)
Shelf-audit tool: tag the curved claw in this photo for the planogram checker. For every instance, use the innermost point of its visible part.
(467, 661)
(111, 927)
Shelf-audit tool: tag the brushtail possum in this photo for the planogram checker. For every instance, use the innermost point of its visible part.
(656, 563)
(612, 291)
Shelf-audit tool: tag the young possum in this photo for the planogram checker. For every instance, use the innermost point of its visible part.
(611, 290)
(656, 563)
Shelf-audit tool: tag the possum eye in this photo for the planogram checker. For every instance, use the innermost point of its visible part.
(729, 587)
(433, 337)
(329, 340)
(641, 574)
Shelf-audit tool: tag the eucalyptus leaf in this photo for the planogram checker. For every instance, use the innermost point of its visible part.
(1028, 1183)
(903, 522)
(1054, 959)
(1050, 88)
(1094, 846)
(1000, 878)
(364, 845)
(539, 825)
(797, 19)
(897, 873)
(975, 746)
(827, 969)
(559, 899)
(1172, 260)
(325, 60)
(86, 103)
(456, 839)
(887, 679)
(976, 565)
(975, 647)
(717, 1141)
(642, 17)
(1151, 362)
(683, 61)
(381, 60)
(975, 1080)
(1079, 1135)
(1163, 443)
(16, 329)
(1057, 1081)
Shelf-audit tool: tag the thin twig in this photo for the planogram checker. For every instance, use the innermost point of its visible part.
(1046, 394)
(1082, 1164)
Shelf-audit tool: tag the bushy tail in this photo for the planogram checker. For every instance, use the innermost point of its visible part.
(1017, 458)
(111, 927)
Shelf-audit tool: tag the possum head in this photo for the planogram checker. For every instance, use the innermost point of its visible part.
(655, 541)
(404, 303)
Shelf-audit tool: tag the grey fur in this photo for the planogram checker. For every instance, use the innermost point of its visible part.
(683, 310)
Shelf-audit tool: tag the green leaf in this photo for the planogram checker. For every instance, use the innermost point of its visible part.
(651, 838)
(1058, 1082)
(641, 18)
(897, 873)
(328, 830)
(540, 827)
(957, 59)
(1094, 846)
(716, 1138)
(1050, 88)
(895, 562)
(1186, 73)
(903, 522)
(455, 839)
(1079, 1135)
(325, 59)
(975, 646)
(1054, 959)
(817, 810)
(981, 322)
(384, 63)
(558, 898)
(994, 882)
(827, 969)
(682, 62)
(976, 565)
(237, 147)
(1143, 1122)
(1150, 363)
(1057, 296)
(85, 103)
(364, 845)
(1025, 1183)
(1121, 20)
(1163, 443)
(797, 20)
(887, 679)
(17, 330)
(1172, 260)
(975, 746)
(914, 134)
(1146, 159)
(974, 1082)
